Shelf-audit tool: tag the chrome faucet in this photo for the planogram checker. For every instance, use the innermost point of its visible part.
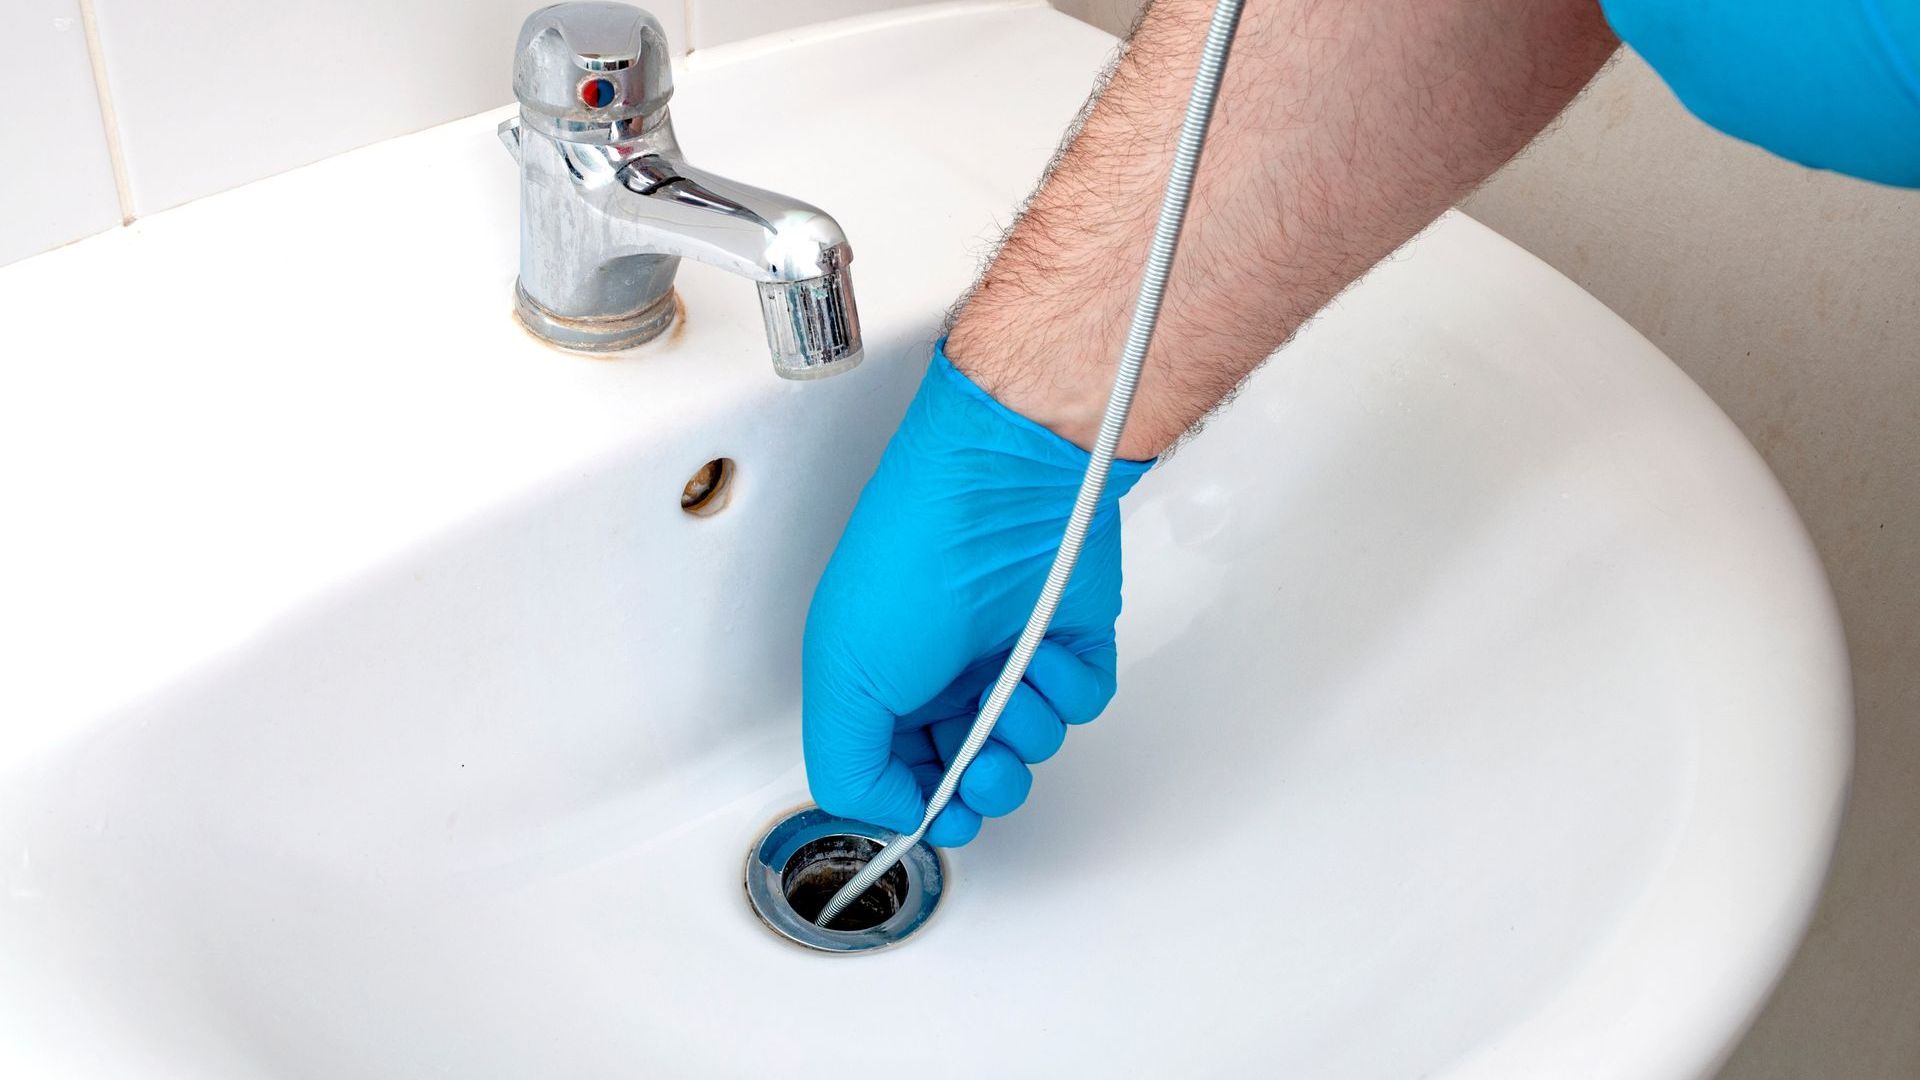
(608, 208)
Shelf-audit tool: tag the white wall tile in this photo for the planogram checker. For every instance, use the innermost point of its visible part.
(716, 22)
(56, 182)
(214, 93)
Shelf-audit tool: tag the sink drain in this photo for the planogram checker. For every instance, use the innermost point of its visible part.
(804, 859)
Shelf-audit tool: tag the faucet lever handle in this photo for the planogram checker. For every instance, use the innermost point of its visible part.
(589, 71)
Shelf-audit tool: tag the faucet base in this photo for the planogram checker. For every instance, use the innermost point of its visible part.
(598, 333)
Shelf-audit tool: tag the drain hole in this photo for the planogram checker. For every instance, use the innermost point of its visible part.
(707, 489)
(819, 868)
(804, 859)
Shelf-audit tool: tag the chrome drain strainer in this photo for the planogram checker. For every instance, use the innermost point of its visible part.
(804, 859)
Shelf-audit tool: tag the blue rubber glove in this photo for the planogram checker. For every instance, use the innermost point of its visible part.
(1830, 83)
(932, 582)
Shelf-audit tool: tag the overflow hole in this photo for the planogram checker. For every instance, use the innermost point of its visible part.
(708, 488)
(816, 872)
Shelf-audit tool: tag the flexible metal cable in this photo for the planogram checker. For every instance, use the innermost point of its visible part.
(1146, 312)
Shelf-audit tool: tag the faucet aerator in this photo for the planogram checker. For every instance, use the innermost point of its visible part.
(813, 328)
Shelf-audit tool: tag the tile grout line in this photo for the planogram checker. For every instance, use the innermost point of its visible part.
(109, 120)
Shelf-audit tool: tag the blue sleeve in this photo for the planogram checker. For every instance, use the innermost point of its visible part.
(1834, 84)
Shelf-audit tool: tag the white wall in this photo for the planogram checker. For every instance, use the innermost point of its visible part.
(205, 95)
(1793, 298)
(56, 183)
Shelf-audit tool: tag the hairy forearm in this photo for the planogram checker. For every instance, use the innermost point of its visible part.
(1343, 128)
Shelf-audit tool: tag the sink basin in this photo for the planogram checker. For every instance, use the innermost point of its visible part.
(372, 708)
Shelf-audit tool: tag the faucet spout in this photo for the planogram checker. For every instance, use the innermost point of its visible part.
(796, 253)
(608, 206)
(702, 216)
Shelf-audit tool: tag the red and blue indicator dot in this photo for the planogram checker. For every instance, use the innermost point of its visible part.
(596, 93)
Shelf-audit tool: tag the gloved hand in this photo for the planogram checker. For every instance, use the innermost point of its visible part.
(933, 580)
(1831, 85)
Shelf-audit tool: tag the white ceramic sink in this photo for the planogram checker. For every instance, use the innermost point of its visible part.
(370, 708)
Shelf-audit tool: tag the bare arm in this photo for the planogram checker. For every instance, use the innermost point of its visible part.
(1344, 127)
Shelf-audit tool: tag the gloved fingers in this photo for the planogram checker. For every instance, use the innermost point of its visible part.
(1029, 726)
(1077, 684)
(851, 767)
(915, 747)
(961, 697)
(997, 782)
(957, 823)
(927, 775)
